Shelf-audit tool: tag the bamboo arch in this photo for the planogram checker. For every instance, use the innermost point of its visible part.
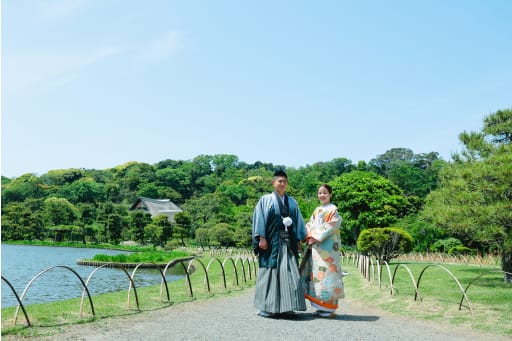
(42, 273)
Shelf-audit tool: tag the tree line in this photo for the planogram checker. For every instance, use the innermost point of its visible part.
(460, 205)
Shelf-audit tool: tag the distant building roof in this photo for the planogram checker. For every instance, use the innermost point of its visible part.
(156, 207)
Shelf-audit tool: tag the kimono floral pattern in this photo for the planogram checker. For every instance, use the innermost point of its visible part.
(323, 274)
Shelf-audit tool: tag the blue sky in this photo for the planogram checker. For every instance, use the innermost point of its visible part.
(98, 83)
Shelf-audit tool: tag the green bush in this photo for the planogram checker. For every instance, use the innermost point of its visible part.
(384, 243)
(461, 250)
(171, 245)
(443, 245)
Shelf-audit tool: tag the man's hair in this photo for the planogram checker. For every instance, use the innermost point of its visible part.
(280, 172)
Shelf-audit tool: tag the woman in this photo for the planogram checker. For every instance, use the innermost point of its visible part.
(322, 270)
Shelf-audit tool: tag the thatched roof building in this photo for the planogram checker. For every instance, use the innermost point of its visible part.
(157, 207)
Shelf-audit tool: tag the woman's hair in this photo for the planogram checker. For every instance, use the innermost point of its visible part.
(327, 187)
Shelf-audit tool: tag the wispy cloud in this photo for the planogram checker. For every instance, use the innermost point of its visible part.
(27, 69)
(55, 10)
(163, 47)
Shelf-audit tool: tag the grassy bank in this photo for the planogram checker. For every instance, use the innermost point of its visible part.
(490, 298)
(157, 257)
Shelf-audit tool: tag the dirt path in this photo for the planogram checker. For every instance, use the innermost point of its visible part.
(234, 318)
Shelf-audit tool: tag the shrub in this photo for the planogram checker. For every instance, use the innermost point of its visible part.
(171, 245)
(461, 250)
(443, 245)
(384, 243)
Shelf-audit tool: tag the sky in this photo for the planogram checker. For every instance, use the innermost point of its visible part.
(95, 84)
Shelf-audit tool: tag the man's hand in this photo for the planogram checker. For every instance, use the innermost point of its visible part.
(263, 243)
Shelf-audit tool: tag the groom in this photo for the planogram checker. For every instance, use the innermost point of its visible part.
(277, 229)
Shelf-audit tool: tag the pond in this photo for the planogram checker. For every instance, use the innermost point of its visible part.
(21, 263)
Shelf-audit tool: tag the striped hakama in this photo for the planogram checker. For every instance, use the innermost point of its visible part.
(279, 289)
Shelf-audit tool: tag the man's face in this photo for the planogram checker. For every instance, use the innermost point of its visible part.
(280, 183)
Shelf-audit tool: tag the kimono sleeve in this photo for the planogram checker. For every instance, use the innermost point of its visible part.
(259, 218)
(326, 228)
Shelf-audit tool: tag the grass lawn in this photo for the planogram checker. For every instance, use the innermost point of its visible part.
(439, 294)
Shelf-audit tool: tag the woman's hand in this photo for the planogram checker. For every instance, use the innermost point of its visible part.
(312, 241)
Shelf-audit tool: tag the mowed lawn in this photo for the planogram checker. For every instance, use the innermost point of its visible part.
(440, 291)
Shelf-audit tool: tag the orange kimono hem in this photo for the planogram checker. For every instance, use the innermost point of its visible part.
(320, 302)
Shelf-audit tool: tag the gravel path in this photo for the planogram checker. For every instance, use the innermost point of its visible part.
(234, 318)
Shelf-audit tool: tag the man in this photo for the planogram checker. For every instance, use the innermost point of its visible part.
(277, 230)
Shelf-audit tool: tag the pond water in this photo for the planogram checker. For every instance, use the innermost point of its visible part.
(21, 263)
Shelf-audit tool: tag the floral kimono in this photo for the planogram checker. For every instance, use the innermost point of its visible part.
(322, 272)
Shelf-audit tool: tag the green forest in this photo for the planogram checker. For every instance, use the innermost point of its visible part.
(462, 205)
